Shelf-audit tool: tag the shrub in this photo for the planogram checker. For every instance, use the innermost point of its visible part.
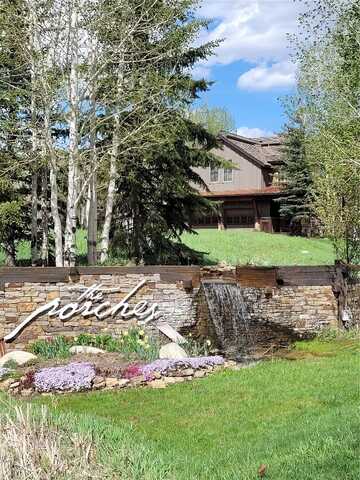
(164, 365)
(57, 347)
(74, 377)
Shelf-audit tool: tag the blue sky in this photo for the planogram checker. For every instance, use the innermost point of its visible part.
(252, 69)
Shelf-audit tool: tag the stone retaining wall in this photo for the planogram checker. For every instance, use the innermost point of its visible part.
(175, 295)
(354, 302)
(277, 312)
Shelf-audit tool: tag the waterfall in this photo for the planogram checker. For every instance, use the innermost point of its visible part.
(229, 318)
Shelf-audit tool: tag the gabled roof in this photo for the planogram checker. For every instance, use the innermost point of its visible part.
(245, 192)
(263, 152)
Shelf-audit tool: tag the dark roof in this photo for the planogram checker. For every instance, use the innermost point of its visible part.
(264, 151)
(245, 192)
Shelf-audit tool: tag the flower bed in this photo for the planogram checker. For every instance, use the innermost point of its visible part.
(83, 376)
(163, 366)
(74, 377)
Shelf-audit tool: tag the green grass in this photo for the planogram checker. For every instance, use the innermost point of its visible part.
(300, 418)
(244, 246)
(235, 247)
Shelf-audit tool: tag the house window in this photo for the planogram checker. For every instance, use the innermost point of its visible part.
(228, 175)
(214, 175)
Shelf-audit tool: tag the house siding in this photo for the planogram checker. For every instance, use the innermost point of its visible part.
(246, 174)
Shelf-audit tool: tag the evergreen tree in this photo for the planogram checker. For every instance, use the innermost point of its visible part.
(295, 176)
(157, 190)
(14, 118)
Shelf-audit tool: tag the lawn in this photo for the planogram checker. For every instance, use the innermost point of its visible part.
(300, 418)
(245, 246)
(236, 247)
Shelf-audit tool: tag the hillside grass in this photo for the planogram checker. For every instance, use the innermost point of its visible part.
(245, 246)
(300, 418)
(234, 246)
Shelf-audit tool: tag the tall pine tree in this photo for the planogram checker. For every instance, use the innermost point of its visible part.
(295, 175)
(158, 195)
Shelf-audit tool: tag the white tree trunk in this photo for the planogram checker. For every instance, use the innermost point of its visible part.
(34, 134)
(59, 261)
(34, 218)
(105, 235)
(92, 224)
(44, 219)
(54, 202)
(70, 227)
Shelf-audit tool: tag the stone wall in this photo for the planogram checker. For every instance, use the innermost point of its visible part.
(174, 292)
(277, 312)
(281, 314)
(354, 302)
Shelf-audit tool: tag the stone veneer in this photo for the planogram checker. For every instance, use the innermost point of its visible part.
(354, 302)
(19, 299)
(277, 313)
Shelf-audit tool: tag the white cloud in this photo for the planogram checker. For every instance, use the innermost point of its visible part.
(268, 77)
(254, 31)
(253, 132)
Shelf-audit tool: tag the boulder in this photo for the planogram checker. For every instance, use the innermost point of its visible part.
(157, 384)
(172, 351)
(85, 349)
(112, 382)
(19, 357)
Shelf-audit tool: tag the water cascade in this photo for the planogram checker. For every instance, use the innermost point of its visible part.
(229, 317)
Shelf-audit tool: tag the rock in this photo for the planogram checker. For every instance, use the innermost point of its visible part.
(5, 384)
(112, 382)
(123, 382)
(172, 380)
(169, 380)
(200, 374)
(26, 392)
(98, 383)
(172, 351)
(230, 364)
(187, 372)
(14, 385)
(157, 384)
(137, 381)
(19, 357)
(86, 349)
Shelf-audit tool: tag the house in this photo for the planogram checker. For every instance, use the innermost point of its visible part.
(247, 192)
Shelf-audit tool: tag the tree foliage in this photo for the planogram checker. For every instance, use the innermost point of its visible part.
(295, 175)
(214, 119)
(329, 85)
(90, 91)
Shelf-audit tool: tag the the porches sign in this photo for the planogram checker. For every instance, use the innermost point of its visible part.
(91, 303)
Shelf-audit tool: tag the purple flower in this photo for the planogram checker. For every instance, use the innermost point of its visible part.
(3, 371)
(74, 376)
(163, 365)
